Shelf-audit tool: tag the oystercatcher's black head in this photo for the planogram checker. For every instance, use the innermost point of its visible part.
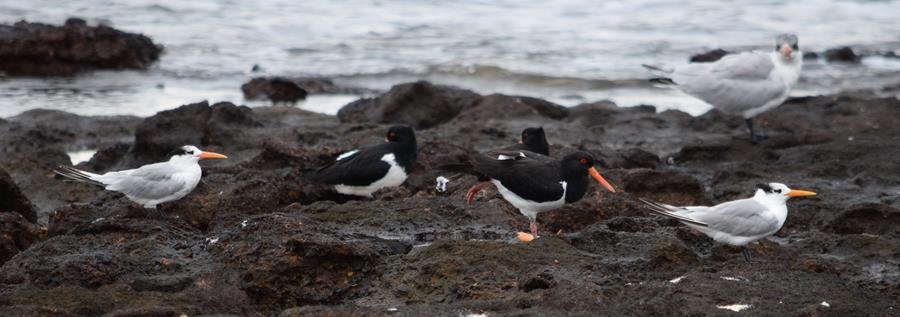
(535, 140)
(401, 134)
(575, 165)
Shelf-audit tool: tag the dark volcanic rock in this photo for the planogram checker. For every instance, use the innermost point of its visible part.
(844, 54)
(12, 199)
(196, 124)
(710, 56)
(274, 89)
(255, 238)
(35, 49)
(875, 219)
(16, 234)
(420, 105)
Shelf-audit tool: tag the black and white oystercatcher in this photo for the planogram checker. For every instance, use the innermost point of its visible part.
(362, 172)
(151, 184)
(533, 183)
(533, 140)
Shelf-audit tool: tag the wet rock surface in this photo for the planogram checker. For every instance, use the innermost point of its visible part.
(255, 238)
(36, 49)
(274, 89)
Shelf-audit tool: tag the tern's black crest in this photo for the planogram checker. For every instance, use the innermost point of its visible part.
(178, 151)
(765, 187)
(789, 39)
(366, 165)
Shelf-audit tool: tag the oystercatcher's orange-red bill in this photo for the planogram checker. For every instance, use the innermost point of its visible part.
(596, 175)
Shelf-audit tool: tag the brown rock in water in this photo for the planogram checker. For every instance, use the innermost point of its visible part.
(13, 200)
(844, 54)
(420, 105)
(274, 89)
(36, 49)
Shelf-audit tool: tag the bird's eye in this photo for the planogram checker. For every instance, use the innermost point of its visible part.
(392, 135)
(778, 191)
(582, 161)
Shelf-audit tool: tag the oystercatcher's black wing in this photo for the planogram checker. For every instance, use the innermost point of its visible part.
(358, 169)
(530, 175)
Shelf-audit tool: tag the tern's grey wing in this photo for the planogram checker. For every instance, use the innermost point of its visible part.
(153, 181)
(736, 83)
(745, 217)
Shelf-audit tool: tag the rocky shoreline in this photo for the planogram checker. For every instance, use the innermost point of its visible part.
(255, 239)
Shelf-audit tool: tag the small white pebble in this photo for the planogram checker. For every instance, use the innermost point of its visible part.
(98, 220)
(244, 223)
(729, 278)
(677, 279)
(734, 307)
(825, 304)
(212, 240)
(850, 138)
(392, 309)
(441, 184)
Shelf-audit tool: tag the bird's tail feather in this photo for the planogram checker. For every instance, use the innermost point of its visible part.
(77, 175)
(662, 72)
(667, 211)
(658, 69)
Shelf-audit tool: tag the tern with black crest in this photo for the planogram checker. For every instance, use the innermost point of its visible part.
(737, 222)
(747, 83)
(152, 184)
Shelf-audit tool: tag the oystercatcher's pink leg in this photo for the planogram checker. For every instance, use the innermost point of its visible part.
(475, 189)
(534, 229)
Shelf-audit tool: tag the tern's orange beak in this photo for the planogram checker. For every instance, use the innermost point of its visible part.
(786, 51)
(596, 175)
(211, 155)
(800, 193)
(519, 142)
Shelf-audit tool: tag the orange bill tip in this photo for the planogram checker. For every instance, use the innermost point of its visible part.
(596, 175)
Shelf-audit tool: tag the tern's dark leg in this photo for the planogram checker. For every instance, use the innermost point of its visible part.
(753, 136)
(746, 252)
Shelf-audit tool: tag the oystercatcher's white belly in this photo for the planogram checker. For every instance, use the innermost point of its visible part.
(394, 177)
(527, 207)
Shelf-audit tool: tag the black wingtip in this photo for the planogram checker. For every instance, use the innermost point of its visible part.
(662, 80)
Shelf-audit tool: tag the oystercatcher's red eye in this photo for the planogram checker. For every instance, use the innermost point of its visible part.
(392, 135)
(582, 161)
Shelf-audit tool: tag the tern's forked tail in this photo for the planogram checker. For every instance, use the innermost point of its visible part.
(77, 175)
(667, 211)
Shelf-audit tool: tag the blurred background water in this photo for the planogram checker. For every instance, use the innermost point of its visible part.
(568, 52)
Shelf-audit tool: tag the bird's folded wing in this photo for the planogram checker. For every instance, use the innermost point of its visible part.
(359, 169)
(154, 181)
(744, 66)
(745, 217)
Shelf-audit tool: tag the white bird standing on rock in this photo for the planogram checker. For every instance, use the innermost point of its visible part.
(151, 184)
(737, 222)
(748, 83)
